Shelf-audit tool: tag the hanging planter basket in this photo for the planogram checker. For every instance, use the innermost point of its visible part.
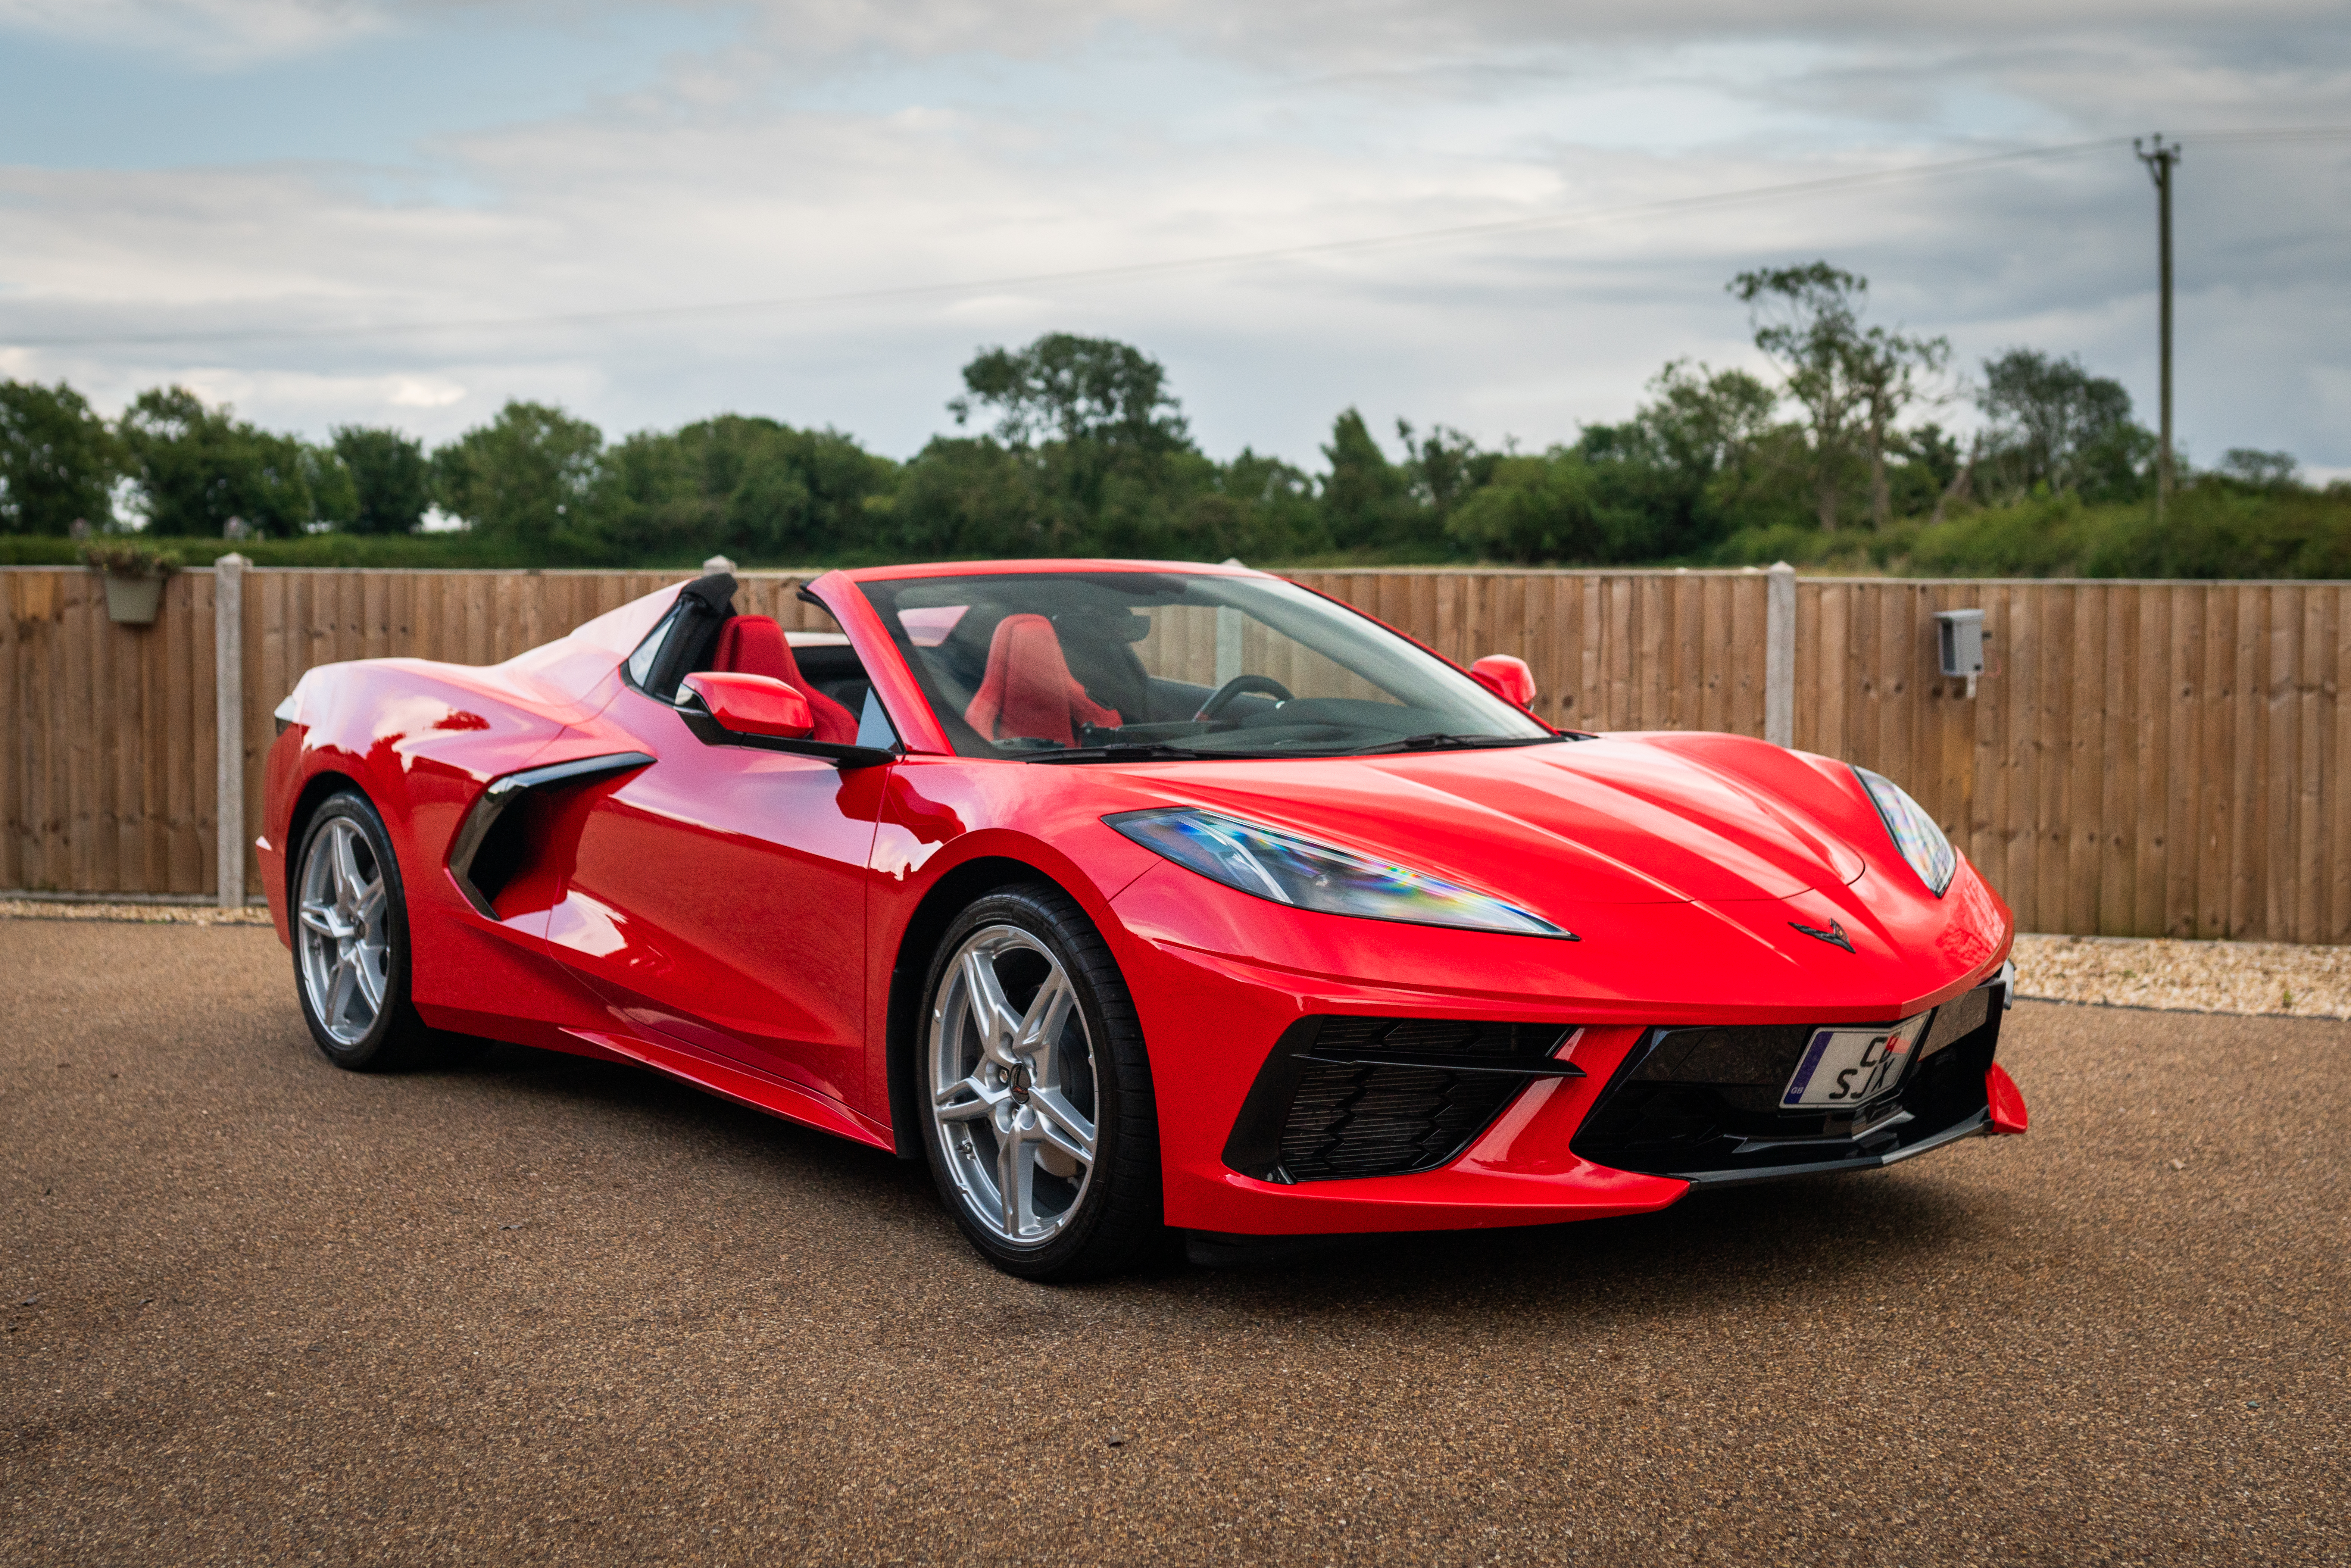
(134, 574)
(133, 601)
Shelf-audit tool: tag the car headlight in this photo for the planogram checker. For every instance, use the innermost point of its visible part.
(1914, 833)
(1287, 869)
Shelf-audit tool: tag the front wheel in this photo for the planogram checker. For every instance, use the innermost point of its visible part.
(1042, 1134)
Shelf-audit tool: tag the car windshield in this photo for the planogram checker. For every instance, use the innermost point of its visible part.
(1079, 665)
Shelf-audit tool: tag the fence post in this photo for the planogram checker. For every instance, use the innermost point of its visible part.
(1779, 655)
(228, 722)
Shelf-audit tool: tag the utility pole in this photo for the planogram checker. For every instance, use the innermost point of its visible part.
(2159, 160)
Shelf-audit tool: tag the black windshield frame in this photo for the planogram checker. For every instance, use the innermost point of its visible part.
(943, 627)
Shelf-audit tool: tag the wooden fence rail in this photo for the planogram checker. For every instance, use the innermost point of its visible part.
(2140, 757)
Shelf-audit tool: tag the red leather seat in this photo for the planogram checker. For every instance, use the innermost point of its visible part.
(755, 645)
(1028, 692)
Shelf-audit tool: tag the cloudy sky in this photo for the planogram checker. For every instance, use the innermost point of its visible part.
(1500, 214)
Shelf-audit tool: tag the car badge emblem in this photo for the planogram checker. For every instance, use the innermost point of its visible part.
(1020, 1084)
(1834, 935)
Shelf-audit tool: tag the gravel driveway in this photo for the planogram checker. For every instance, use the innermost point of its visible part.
(544, 1310)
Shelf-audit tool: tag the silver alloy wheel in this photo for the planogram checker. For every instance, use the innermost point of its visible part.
(1012, 1085)
(341, 929)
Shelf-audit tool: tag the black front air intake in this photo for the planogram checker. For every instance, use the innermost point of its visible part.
(1704, 1104)
(1382, 1096)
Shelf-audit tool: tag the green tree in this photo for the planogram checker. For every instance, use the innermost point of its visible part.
(1068, 388)
(1807, 320)
(1442, 467)
(1367, 501)
(334, 492)
(391, 480)
(753, 487)
(1889, 370)
(58, 460)
(197, 467)
(1537, 509)
(1273, 512)
(1691, 465)
(1106, 459)
(2260, 470)
(2049, 423)
(528, 477)
(1930, 460)
(965, 496)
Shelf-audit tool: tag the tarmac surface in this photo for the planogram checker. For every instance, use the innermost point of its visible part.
(545, 1309)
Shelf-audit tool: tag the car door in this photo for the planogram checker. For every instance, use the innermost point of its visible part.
(718, 896)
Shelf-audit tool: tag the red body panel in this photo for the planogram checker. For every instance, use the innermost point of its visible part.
(2007, 1114)
(718, 896)
(734, 916)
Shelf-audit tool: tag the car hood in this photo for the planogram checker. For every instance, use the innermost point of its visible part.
(1611, 820)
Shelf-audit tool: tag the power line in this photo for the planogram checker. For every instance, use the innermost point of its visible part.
(1795, 189)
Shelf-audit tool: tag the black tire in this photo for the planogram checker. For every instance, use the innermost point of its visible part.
(1117, 1219)
(397, 1040)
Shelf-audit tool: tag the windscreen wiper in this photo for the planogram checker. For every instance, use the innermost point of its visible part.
(1135, 752)
(1439, 741)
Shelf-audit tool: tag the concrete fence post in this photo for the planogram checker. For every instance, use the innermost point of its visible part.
(229, 721)
(1779, 655)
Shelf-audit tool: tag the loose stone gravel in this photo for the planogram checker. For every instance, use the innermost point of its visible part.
(2265, 978)
(136, 914)
(539, 1309)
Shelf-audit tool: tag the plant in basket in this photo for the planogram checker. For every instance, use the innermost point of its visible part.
(134, 573)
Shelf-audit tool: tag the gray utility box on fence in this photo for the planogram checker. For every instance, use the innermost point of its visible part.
(1959, 639)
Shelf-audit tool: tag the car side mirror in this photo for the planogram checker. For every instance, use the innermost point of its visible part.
(1507, 676)
(752, 705)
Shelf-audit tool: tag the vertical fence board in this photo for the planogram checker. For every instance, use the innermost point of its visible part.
(2214, 835)
(1992, 826)
(2147, 657)
(2026, 749)
(2309, 809)
(15, 744)
(2247, 731)
(2337, 865)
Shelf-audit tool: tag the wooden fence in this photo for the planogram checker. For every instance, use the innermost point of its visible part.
(2140, 757)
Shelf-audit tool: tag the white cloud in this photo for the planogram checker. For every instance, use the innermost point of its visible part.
(422, 391)
(1133, 134)
(216, 33)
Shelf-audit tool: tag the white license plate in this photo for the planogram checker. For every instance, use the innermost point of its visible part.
(1847, 1066)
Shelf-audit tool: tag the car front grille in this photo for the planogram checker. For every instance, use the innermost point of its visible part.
(1703, 1102)
(1341, 1097)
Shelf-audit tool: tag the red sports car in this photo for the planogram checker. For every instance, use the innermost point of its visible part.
(1137, 896)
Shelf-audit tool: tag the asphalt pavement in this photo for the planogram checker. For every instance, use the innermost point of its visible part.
(546, 1309)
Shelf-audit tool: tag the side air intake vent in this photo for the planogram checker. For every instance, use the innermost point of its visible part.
(1373, 1096)
(490, 847)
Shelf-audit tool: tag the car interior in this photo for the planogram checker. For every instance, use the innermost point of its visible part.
(1072, 662)
(1019, 665)
(703, 632)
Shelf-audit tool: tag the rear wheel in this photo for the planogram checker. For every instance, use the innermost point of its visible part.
(351, 942)
(1042, 1133)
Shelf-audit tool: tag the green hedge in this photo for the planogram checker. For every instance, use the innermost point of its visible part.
(2217, 529)
(411, 551)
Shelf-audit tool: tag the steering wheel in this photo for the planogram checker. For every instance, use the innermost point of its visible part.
(1240, 685)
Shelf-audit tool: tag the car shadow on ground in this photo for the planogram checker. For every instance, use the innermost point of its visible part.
(1787, 1240)
(1784, 1239)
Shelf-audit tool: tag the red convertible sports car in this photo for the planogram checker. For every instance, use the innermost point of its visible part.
(1137, 896)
